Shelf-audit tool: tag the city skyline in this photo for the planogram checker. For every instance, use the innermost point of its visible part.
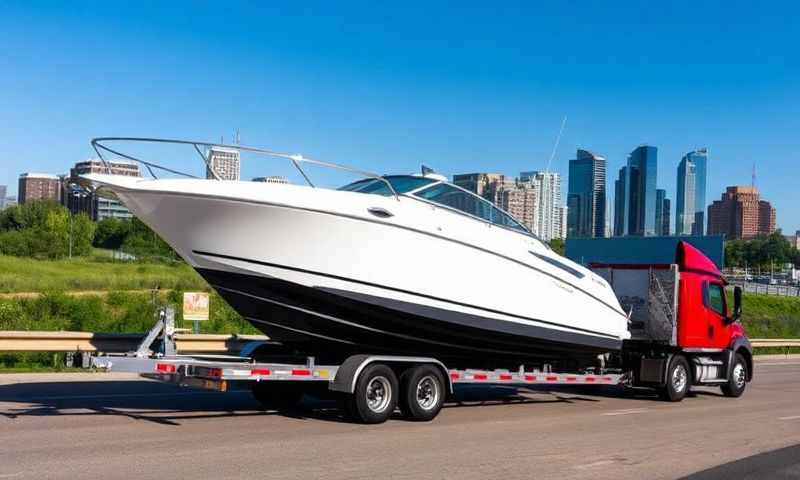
(331, 82)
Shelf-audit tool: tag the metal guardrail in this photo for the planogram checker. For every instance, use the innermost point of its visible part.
(31, 341)
(34, 341)
(763, 289)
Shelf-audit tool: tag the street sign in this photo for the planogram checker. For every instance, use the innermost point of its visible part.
(195, 306)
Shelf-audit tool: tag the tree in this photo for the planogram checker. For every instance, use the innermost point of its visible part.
(558, 246)
(43, 229)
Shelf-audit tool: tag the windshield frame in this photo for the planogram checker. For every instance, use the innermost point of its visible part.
(387, 180)
(525, 231)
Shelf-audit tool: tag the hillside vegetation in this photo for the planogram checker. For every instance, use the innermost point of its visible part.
(19, 274)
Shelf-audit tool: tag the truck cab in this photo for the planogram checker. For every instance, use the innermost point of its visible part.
(683, 330)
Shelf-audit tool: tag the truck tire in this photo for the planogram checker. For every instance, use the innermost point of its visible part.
(422, 392)
(277, 395)
(375, 396)
(678, 380)
(737, 379)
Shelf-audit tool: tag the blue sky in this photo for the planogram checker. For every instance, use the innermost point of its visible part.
(388, 86)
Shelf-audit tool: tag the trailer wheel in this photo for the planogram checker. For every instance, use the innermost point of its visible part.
(677, 381)
(276, 395)
(375, 396)
(737, 380)
(422, 393)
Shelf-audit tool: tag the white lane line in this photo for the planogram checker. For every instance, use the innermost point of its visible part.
(117, 395)
(10, 475)
(793, 417)
(775, 364)
(598, 463)
(630, 411)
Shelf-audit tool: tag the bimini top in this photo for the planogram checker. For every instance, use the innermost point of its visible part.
(691, 259)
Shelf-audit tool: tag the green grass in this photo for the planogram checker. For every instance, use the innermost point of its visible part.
(99, 272)
(769, 316)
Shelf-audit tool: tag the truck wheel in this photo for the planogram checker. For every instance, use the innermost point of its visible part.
(422, 393)
(737, 380)
(375, 395)
(276, 395)
(678, 380)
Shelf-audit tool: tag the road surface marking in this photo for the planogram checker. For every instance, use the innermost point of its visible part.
(775, 364)
(598, 463)
(794, 417)
(629, 411)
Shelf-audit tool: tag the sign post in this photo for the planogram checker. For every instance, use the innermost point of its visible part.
(195, 308)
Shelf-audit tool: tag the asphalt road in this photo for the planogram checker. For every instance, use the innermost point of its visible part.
(112, 426)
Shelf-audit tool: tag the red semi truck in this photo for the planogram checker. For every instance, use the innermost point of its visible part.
(683, 333)
(683, 330)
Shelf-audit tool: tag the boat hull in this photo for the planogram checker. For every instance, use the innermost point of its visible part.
(316, 269)
(332, 323)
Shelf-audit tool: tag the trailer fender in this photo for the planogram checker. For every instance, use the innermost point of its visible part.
(742, 346)
(347, 374)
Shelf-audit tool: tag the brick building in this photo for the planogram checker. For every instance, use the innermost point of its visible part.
(740, 213)
(38, 186)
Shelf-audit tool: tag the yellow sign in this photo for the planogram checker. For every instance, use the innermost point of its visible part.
(195, 306)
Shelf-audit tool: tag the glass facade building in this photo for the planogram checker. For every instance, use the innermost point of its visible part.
(690, 205)
(586, 197)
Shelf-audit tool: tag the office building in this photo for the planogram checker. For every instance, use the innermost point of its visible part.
(547, 208)
(38, 186)
(520, 200)
(586, 195)
(485, 185)
(225, 162)
(640, 191)
(662, 213)
(619, 202)
(690, 204)
(741, 214)
(78, 200)
(3, 192)
(271, 179)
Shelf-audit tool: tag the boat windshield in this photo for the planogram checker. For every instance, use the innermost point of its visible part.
(469, 203)
(401, 184)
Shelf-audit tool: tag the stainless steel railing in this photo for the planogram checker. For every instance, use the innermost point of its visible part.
(100, 145)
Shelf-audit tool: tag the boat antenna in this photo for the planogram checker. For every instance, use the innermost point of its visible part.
(558, 140)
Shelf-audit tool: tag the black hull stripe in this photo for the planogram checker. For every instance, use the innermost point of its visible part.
(399, 290)
(355, 325)
(386, 224)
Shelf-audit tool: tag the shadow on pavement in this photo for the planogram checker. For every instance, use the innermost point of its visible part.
(170, 405)
(777, 464)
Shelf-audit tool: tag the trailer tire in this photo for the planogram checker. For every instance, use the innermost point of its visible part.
(737, 378)
(375, 396)
(276, 395)
(422, 392)
(678, 380)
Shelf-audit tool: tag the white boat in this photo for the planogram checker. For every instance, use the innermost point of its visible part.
(407, 264)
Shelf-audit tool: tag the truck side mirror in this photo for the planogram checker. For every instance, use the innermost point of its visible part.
(737, 303)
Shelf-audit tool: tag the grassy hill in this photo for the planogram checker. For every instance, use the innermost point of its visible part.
(98, 272)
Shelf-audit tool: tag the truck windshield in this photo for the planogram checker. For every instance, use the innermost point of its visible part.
(401, 183)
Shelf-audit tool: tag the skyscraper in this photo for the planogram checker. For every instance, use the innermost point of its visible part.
(520, 201)
(690, 204)
(662, 212)
(586, 197)
(224, 162)
(740, 213)
(620, 202)
(547, 219)
(641, 181)
(2, 197)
